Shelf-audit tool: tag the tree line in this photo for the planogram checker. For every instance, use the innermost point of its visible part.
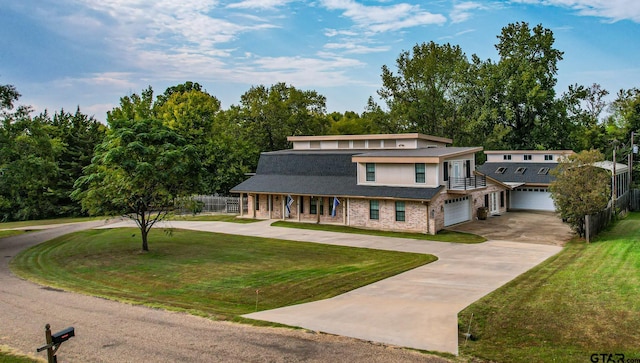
(48, 163)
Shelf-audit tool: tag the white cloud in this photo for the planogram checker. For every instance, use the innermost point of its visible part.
(463, 11)
(354, 48)
(613, 10)
(384, 18)
(259, 4)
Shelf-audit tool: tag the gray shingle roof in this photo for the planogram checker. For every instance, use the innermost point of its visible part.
(319, 173)
(530, 175)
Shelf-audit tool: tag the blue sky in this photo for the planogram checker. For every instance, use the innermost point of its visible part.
(65, 53)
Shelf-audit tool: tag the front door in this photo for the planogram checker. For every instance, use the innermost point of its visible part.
(456, 174)
(493, 203)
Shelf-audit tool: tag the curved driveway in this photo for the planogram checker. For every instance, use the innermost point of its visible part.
(416, 309)
(108, 331)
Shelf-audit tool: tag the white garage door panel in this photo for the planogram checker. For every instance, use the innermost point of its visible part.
(532, 199)
(456, 211)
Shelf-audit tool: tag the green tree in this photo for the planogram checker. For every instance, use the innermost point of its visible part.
(425, 94)
(580, 188)
(270, 115)
(350, 123)
(28, 168)
(141, 169)
(78, 134)
(524, 97)
(584, 107)
(192, 113)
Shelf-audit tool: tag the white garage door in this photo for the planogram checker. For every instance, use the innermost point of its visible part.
(456, 210)
(532, 199)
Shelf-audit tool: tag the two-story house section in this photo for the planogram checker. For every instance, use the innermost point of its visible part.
(401, 182)
(526, 172)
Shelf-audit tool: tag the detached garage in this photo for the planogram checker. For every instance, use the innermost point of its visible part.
(532, 199)
(457, 210)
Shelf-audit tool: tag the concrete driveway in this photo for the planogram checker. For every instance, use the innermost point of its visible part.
(416, 309)
(520, 226)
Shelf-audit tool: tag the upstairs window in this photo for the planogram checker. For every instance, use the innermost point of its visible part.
(371, 172)
(420, 173)
(527, 157)
(506, 157)
(548, 157)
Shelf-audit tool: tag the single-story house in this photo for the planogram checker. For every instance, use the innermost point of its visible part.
(400, 182)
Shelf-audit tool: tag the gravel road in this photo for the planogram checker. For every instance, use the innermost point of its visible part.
(108, 331)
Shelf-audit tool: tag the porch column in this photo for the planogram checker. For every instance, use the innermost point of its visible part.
(270, 204)
(344, 212)
(298, 206)
(241, 205)
(318, 209)
(284, 206)
(255, 198)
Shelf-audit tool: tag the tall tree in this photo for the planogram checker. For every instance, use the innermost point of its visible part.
(141, 169)
(192, 113)
(580, 188)
(271, 114)
(425, 93)
(584, 107)
(78, 134)
(526, 79)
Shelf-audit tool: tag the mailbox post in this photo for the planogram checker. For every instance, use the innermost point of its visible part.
(54, 341)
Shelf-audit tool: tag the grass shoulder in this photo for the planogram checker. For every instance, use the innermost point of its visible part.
(215, 275)
(582, 301)
(9, 355)
(442, 236)
(43, 222)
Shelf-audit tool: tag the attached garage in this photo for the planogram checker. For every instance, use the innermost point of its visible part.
(457, 210)
(532, 199)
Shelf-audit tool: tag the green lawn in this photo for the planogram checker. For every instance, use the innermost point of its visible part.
(208, 274)
(584, 300)
(42, 222)
(8, 355)
(442, 236)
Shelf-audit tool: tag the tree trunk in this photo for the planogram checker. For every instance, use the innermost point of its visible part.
(144, 232)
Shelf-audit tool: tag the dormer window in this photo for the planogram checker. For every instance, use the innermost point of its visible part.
(520, 170)
(371, 172)
(543, 171)
(501, 170)
(506, 157)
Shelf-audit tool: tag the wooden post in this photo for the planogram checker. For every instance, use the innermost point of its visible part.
(47, 333)
(587, 222)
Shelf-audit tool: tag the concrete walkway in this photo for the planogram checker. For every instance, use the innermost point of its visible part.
(416, 309)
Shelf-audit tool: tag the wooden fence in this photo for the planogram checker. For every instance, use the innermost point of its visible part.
(634, 200)
(218, 204)
(595, 223)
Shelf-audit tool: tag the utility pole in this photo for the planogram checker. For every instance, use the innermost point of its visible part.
(615, 180)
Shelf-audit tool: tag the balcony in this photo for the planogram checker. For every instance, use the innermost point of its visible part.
(464, 184)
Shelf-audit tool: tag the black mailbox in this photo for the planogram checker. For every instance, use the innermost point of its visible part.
(63, 335)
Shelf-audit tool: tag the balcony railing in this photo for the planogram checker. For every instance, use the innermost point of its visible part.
(473, 182)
